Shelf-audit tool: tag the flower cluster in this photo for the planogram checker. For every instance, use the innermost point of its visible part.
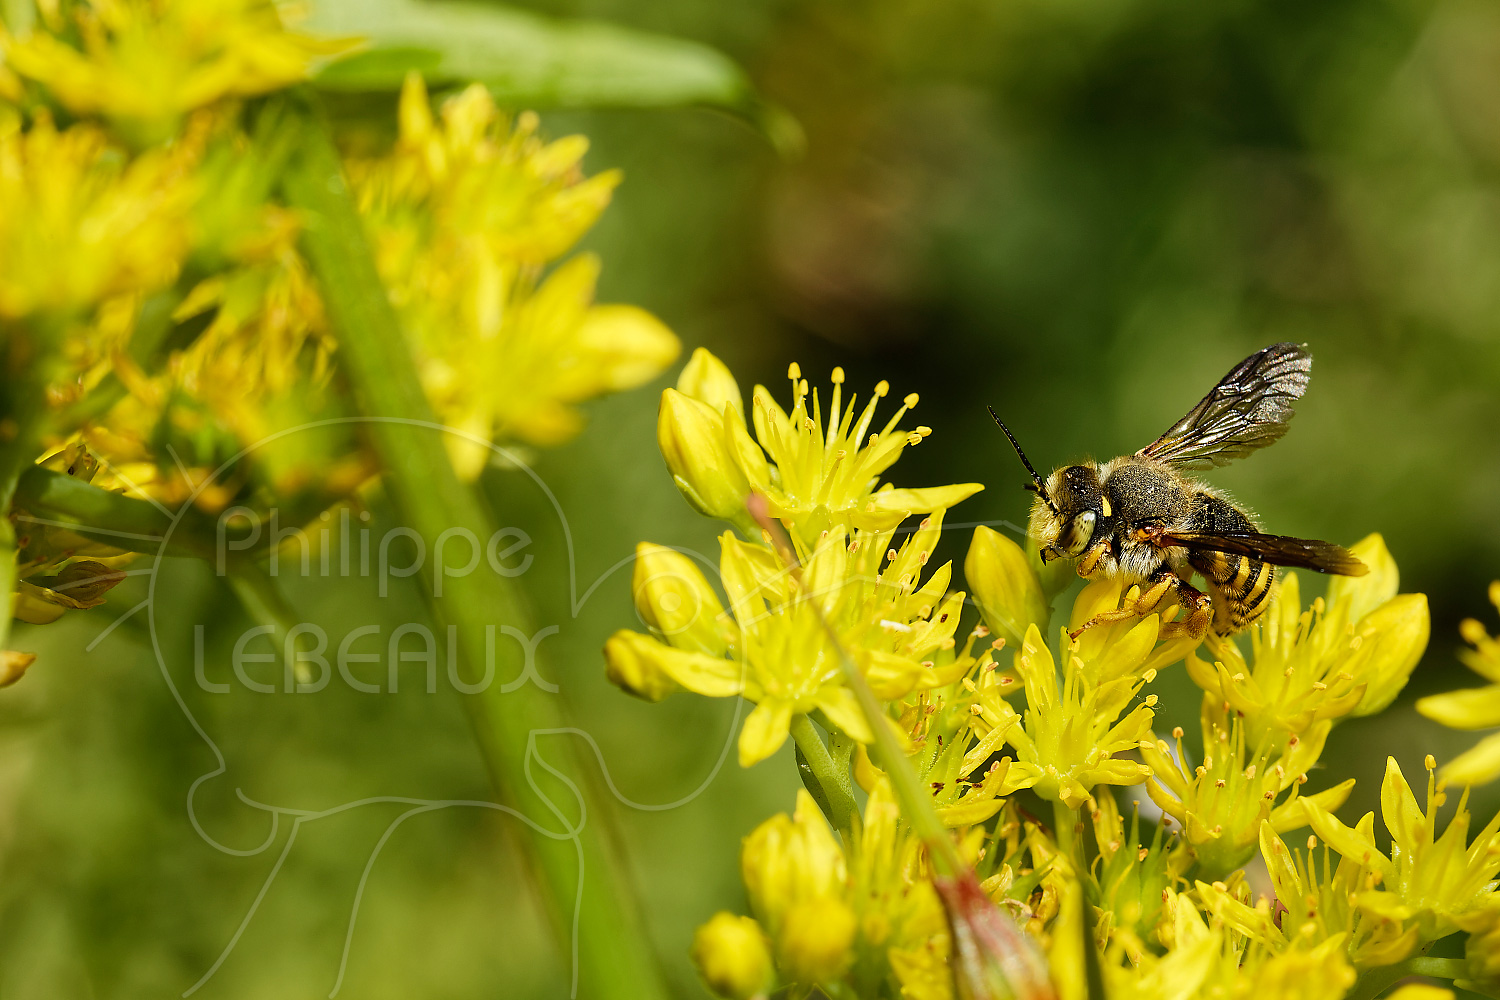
(778, 643)
(465, 212)
(1025, 751)
(185, 334)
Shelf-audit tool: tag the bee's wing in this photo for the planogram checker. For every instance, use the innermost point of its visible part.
(1248, 409)
(1279, 550)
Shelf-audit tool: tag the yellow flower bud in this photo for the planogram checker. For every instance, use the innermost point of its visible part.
(709, 381)
(1004, 585)
(673, 597)
(629, 665)
(693, 442)
(731, 955)
(816, 940)
(791, 857)
(649, 669)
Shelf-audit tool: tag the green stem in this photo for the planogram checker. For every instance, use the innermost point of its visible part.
(261, 600)
(1064, 828)
(612, 955)
(1438, 968)
(916, 802)
(838, 795)
(1373, 982)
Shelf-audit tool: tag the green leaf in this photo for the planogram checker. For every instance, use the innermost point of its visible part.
(524, 58)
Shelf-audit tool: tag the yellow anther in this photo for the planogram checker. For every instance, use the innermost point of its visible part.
(838, 376)
(794, 371)
(882, 387)
(910, 400)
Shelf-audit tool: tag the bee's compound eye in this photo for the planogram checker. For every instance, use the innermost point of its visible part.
(1077, 533)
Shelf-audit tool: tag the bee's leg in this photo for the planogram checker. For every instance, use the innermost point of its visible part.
(1162, 582)
(1143, 605)
(1107, 618)
(1200, 612)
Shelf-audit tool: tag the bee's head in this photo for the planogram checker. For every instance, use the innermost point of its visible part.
(1069, 505)
(1068, 508)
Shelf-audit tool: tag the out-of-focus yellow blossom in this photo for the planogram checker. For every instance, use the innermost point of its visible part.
(817, 476)
(1482, 949)
(1222, 802)
(732, 957)
(57, 569)
(96, 224)
(1070, 734)
(1310, 666)
(1434, 880)
(150, 61)
(777, 652)
(797, 879)
(1422, 991)
(1473, 708)
(464, 213)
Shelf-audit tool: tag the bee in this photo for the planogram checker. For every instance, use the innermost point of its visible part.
(1142, 519)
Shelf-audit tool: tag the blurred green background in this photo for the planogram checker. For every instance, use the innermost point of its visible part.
(1080, 211)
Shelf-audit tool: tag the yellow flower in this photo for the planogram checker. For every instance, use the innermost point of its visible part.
(732, 957)
(153, 60)
(1314, 907)
(464, 213)
(96, 224)
(777, 652)
(825, 477)
(796, 876)
(1352, 659)
(816, 478)
(1222, 803)
(1435, 880)
(1070, 734)
(1473, 708)
(1215, 962)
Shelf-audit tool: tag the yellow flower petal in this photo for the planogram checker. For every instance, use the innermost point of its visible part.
(673, 597)
(1293, 815)
(1397, 633)
(1479, 765)
(1470, 708)
(1368, 592)
(636, 663)
(764, 731)
(923, 501)
(624, 346)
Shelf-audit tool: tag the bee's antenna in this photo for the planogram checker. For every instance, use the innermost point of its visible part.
(1037, 486)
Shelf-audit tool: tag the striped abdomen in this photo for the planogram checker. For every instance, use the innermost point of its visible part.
(1240, 585)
